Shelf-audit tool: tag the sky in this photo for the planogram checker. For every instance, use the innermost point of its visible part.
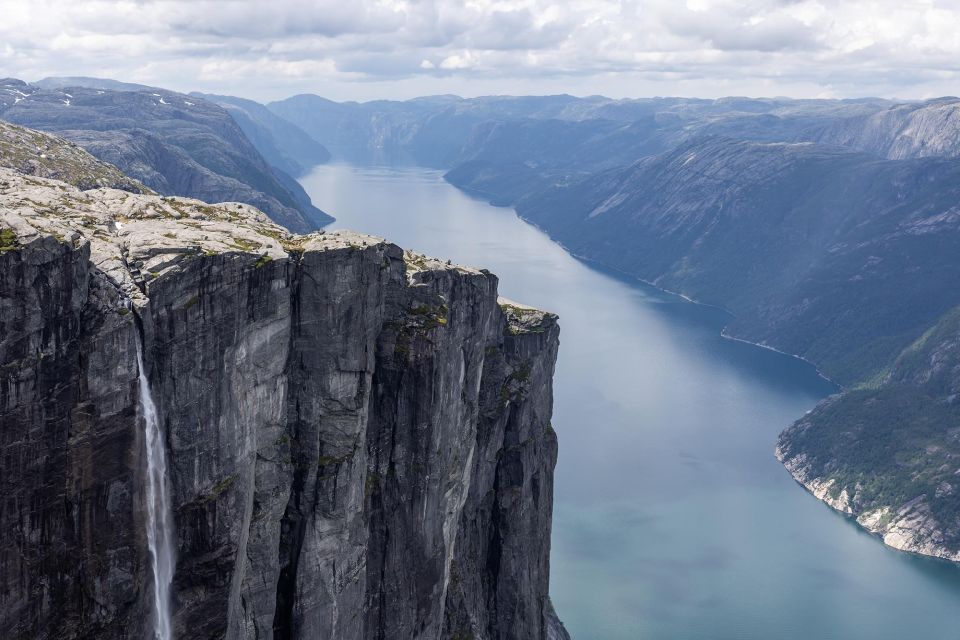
(399, 49)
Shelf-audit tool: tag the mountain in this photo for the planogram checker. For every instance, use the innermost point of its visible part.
(356, 132)
(829, 229)
(844, 253)
(911, 130)
(283, 144)
(64, 82)
(837, 256)
(886, 452)
(172, 143)
(357, 438)
(550, 132)
(40, 154)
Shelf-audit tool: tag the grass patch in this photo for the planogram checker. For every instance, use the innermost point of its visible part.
(8, 239)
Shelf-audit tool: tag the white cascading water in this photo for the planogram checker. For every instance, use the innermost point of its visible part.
(159, 512)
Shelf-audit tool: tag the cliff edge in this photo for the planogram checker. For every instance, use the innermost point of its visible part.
(358, 437)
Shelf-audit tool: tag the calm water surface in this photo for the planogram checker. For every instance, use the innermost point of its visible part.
(672, 520)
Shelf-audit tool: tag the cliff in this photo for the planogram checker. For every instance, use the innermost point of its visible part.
(358, 437)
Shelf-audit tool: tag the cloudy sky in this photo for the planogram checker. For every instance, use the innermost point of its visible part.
(366, 49)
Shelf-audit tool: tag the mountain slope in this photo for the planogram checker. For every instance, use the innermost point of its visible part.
(174, 144)
(842, 257)
(888, 453)
(831, 229)
(836, 256)
(44, 155)
(912, 130)
(284, 145)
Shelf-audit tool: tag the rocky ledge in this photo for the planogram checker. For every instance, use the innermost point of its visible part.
(907, 527)
(358, 437)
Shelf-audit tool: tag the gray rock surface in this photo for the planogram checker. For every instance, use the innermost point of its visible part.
(910, 130)
(173, 143)
(358, 436)
(40, 154)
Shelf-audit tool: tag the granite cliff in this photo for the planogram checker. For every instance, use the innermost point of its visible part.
(358, 437)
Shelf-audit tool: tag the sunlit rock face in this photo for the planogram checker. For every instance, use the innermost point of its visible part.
(358, 437)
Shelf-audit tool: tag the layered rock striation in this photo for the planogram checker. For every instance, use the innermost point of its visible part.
(358, 437)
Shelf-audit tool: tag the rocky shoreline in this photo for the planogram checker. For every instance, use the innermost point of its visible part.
(910, 527)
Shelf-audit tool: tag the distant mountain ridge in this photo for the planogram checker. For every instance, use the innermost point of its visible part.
(915, 130)
(173, 143)
(444, 131)
(284, 145)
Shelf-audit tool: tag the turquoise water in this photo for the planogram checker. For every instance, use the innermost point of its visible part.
(672, 520)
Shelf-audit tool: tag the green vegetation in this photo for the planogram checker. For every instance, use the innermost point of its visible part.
(325, 461)
(415, 262)
(246, 245)
(522, 319)
(371, 485)
(431, 316)
(217, 490)
(897, 438)
(8, 239)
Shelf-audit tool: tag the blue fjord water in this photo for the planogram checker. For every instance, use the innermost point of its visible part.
(673, 520)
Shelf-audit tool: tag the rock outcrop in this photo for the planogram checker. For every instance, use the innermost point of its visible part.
(359, 437)
(40, 154)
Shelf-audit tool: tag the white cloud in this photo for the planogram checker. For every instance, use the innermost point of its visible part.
(401, 48)
(465, 60)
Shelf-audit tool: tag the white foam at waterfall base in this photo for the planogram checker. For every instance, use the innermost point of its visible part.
(159, 512)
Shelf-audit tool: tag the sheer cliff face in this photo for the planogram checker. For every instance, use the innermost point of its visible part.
(359, 438)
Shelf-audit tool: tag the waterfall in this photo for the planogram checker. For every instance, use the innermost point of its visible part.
(159, 512)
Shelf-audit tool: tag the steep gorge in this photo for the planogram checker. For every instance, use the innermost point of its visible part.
(359, 437)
